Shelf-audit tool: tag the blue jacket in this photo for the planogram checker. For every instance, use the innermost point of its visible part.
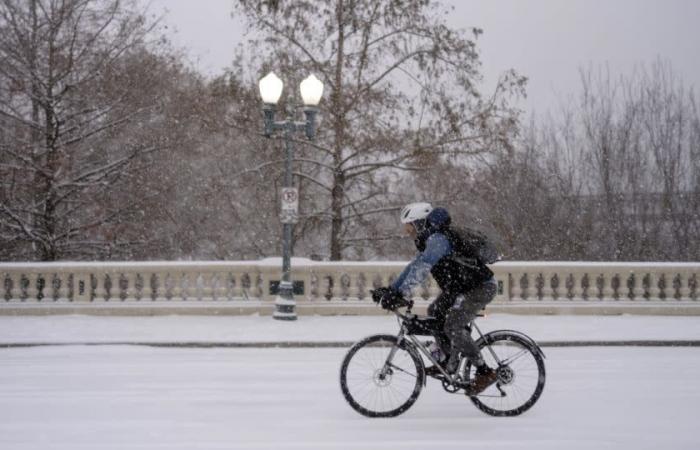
(437, 246)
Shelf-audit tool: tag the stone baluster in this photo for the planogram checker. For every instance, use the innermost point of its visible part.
(3, 288)
(353, 287)
(256, 290)
(147, 286)
(191, 291)
(211, 286)
(110, 293)
(237, 280)
(63, 286)
(186, 281)
(586, 287)
(333, 285)
(219, 286)
(115, 287)
(162, 281)
(100, 291)
(673, 286)
(251, 289)
(637, 286)
(320, 286)
(32, 289)
(130, 286)
(547, 290)
(82, 287)
(654, 290)
(327, 283)
(248, 285)
(666, 290)
(684, 287)
(384, 278)
(571, 287)
(515, 291)
(608, 291)
(238, 289)
(566, 286)
(345, 280)
(177, 278)
(307, 279)
(207, 286)
(221, 291)
(50, 291)
(623, 287)
(530, 289)
(360, 282)
(16, 289)
(233, 285)
(264, 286)
(227, 286)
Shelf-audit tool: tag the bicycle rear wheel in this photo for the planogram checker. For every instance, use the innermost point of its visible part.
(376, 387)
(521, 374)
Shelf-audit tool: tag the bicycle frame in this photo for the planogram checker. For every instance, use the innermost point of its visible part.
(424, 350)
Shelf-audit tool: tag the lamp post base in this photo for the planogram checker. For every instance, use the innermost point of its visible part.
(285, 305)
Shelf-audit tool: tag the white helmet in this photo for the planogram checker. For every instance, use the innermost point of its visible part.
(415, 211)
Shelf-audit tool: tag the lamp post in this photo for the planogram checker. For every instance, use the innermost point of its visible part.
(270, 91)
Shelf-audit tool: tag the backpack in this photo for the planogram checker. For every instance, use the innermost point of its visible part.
(472, 244)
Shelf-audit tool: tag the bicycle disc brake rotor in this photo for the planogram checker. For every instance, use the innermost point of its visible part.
(505, 374)
(382, 380)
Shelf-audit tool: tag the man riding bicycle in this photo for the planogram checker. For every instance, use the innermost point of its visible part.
(467, 285)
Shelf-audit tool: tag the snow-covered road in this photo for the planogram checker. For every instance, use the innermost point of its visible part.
(124, 397)
(171, 329)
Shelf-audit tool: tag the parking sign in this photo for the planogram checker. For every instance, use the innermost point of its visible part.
(290, 205)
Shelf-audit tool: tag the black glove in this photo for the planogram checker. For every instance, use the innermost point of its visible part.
(379, 293)
(389, 298)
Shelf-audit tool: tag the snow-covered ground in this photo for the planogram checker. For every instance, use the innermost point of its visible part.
(76, 328)
(128, 397)
(125, 397)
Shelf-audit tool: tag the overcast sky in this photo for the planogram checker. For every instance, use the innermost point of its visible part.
(546, 40)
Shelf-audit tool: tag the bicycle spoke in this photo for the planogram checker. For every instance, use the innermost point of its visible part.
(524, 382)
(399, 368)
(376, 386)
(509, 360)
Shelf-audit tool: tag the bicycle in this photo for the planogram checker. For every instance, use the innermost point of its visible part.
(382, 375)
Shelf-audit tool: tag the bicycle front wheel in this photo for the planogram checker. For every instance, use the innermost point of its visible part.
(378, 385)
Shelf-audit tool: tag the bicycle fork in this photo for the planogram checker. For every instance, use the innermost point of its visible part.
(387, 364)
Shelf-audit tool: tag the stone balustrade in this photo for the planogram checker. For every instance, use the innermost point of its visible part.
(335, 287)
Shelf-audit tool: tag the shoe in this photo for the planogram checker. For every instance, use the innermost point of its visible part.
(485, 377)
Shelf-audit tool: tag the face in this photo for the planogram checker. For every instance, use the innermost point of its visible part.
(410, 230)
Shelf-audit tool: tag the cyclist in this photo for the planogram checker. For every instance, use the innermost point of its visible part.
(467, 287)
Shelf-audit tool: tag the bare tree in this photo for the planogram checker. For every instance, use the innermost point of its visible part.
(612, 176)
(66, 95)
(668, 123)
(402, 97)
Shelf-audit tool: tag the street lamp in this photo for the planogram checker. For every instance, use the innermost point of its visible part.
(270, 91)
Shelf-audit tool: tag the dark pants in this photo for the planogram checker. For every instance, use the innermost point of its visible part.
(456, 311)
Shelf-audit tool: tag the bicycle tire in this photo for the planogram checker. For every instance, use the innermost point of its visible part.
(485, 400)
(363, 362)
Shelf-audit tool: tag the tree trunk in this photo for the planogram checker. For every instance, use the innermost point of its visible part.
(338, 192)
